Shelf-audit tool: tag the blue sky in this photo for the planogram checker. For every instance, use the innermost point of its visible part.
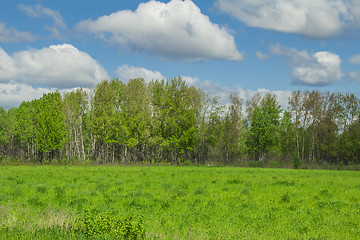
(275, 46)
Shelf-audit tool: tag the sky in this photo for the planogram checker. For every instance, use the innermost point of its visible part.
(220, 46)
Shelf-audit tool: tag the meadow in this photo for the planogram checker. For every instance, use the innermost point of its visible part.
(167, 202)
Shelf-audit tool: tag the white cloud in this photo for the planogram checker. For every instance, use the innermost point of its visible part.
(13, 35)
(59, 27)
(13, 94)
(60, 66)
(213, 89)
(174, 30)
(355, 59)
(315, 19)
(354, 76)
(125, 73)
(261, 56)
(216, 90)
(320, 68)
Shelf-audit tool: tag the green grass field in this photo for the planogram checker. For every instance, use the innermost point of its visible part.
(46, 202)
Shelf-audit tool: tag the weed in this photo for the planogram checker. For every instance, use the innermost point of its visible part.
(110, 226)
(244, 191)
(199, 190)
(296, 162)
(41, 189)
(234, 181)
(285, 198)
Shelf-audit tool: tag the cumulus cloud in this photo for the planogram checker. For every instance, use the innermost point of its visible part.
(125, 73)
(58, 28)
(13, 35)
(213, 89)
(261, 56)
(217, 90)
(355, 59)
(60, 66)
(314, 19)
(174, 30)
(320, 68)
(13, 94)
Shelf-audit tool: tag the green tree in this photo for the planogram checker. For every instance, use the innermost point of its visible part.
(234, 140)
(25, 128)
(287, 136)
(264, 128)
(50, 128)
(175, 115)
(349, 127)
(102, 110)
(76, 105)
(4, 132)
(295, 108)
(137, 117)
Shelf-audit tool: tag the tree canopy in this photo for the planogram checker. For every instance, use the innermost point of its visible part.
(172, 122)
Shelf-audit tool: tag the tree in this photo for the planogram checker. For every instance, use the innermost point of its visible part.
(76, 105)
(295, 109)
(251, 104)
(175, 114)
(25, 129)
(101, 113)
(4, 132)
(137, 117)
(350, 143)
(50, 128)
(264, 128)
(234, 133)
(287, 136)
(349, 127)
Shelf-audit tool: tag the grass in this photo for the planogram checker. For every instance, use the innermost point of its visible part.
(46, 202)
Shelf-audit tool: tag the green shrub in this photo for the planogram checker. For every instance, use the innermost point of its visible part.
(326, 165)
(340, 166)
(256, 164)
(285, 198)
(274, 164)
(109, 226)
(296, 162)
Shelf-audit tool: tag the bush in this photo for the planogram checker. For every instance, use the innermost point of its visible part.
(274, 164)
(256, 164)
(296, 162)
(109, 226)
(340, 166)
(327, 166)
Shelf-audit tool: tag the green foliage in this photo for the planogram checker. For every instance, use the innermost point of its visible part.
(256, 164)
(274, 164)
(50, 125)
(106, 225)
(287, 135)
(340, 166)
(3, 127)
(285, 198)
(296, 161)
(172, 122)
(264, 128)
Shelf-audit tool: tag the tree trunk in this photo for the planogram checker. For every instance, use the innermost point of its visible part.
(77, 145)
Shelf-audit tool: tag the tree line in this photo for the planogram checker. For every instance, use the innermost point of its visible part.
(172, 122)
